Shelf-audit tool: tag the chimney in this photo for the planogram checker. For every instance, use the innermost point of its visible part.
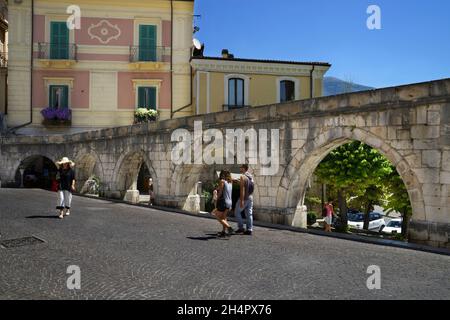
(225, 53)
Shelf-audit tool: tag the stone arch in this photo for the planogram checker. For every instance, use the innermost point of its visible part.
(43, 164)
(185, 177)
(87, 163)
(126, 172)
(292, 191)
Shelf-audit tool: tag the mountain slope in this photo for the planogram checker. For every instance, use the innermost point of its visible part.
(333, 86)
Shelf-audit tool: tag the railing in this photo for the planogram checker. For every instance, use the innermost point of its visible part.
(3, 59)
(57, 51)
(152, 54)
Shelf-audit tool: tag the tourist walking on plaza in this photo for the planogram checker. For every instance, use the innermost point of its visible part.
(224, 202)
(245, 202)
(150, 192)
(66, 185)
(327, 214)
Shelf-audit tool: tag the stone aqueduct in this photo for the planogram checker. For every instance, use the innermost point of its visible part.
(409, 124)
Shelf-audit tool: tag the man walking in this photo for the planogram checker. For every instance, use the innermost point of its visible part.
(245, 202)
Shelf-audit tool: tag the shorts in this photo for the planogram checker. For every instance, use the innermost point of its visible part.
(222, 205)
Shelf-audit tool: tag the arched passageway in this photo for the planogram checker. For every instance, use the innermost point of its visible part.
(36, 171)
(307, 158)
(132, 174)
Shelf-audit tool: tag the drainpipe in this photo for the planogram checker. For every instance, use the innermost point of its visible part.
(31, 74)
(171, 58)
(311, 82)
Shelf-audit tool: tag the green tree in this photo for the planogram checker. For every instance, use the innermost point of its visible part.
(398, 199)
(354, 169)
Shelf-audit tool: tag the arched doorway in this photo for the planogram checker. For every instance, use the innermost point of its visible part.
(364, 187)
(307, 158)
(36, 172)
(132, 175)
(88, 172)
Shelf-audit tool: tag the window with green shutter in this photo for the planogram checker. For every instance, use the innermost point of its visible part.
(147, 97)
(59, 97)
(59, 40)
(147, 43)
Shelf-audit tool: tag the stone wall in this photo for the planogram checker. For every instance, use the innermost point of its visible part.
(410, 125)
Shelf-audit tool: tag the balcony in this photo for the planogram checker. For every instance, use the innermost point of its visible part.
(145, 58)
(3, 59)
(57, 55)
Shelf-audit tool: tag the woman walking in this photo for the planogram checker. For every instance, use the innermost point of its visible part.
(66, 185)
(224, 202)
(328, 213)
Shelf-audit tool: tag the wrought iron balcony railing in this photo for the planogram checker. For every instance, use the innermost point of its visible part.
(149, 54)
(3, 59)
(57, 51)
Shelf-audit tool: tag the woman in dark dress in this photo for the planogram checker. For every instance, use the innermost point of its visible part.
(66, 186)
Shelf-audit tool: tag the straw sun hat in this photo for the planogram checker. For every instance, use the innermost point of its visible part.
(65, 160)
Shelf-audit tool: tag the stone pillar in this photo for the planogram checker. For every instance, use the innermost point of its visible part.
(299, 220)
(192, 203)
(132, 196)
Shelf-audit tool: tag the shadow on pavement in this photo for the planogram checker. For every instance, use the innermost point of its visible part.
(209, 236)
(43, 217)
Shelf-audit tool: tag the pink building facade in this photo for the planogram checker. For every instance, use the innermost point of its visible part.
(122, 56)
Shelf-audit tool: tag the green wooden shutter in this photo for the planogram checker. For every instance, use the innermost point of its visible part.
(141, 97)
(147, 43)
(152, 98)
(65, 97)
(51, 96)
(59, 40)
(147, 97)
(64, 90)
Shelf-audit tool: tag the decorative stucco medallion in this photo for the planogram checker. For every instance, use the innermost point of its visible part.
(104, 31)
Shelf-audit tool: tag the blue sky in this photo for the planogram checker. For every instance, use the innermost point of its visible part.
(412, 46)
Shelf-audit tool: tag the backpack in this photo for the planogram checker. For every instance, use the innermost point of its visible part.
(251, 185)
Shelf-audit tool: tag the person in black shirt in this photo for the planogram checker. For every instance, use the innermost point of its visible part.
(66, 185)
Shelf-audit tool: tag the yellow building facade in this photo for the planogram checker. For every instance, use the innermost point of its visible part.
(225, 83)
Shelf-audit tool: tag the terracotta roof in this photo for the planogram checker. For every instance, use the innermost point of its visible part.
(325, 64)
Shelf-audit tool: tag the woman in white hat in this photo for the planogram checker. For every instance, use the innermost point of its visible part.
(66, 185)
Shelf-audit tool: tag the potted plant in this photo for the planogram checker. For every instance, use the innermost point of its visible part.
(142, 115)
(53, 116)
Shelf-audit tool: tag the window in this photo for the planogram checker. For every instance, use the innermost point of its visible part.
(287, 90)
(59, 96)
(147, 43)
(236, 92)
(147, 97)
(59, 40)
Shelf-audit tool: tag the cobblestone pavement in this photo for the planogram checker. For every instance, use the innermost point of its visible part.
(128, 252)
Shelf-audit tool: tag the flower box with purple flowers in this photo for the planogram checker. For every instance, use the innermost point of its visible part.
(53, 116)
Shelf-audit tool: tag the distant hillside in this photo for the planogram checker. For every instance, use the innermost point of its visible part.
(333, 86)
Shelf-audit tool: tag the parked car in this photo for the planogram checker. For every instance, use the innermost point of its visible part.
(356, 220)
(393, 226)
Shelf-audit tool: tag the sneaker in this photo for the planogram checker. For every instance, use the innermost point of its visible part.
(61, 216)
(240, 231)
(67, 213)
(248, 232)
